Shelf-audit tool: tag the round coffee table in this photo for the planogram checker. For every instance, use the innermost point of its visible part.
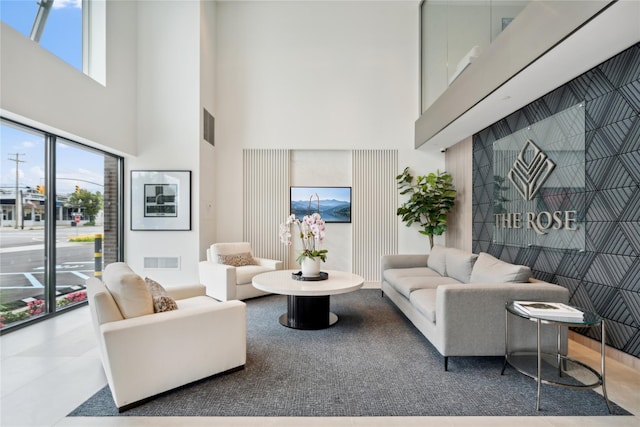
(308, 302)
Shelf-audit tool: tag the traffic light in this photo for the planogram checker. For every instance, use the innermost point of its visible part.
(40, 189)
(77, 188)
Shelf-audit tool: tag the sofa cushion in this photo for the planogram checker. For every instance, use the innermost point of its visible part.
(129, 290)
(229, 248)
(492, 270)
(237, 260)
(407, 285)
(245, 273)
(102, 301)
(162, 301)
(424, 300)
(460, 264)
(394, 274)
(437, 260)
(195, 302)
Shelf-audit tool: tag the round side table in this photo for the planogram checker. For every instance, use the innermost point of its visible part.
(555, 368)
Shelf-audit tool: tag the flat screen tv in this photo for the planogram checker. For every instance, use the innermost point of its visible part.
(335, 202)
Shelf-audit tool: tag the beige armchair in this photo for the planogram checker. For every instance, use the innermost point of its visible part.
(145, 352)
(229, 268)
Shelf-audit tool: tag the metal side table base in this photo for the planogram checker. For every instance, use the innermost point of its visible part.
(561, 370)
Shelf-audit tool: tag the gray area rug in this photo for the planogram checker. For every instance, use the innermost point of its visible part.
(373, 362)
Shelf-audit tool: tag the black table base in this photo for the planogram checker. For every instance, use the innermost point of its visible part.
(308, 313)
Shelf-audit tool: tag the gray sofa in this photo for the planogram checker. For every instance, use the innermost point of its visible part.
(457, 300)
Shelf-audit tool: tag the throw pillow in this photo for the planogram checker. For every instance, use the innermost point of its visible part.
(489, 269)
(237, 260)
(162, 301)
(460, 264)
(437, 260)
(128, 290)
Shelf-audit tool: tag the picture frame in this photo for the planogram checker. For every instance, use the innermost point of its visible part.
(160, 200)
(334, 202)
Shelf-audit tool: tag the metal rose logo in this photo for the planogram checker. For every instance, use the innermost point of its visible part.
(539, 183)
(530, 170)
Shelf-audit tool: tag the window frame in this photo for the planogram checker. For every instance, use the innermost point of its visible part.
(51, 140)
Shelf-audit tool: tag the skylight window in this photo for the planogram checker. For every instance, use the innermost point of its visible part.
(62, 27)
(62, 31)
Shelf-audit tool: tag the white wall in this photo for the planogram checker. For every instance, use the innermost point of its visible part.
(207, 196)
(54, 96)
(315, 76)
(169, 135)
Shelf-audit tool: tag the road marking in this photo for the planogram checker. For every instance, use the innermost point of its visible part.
(34, 282)
(39, 247)
(80, 275)
(64, 265)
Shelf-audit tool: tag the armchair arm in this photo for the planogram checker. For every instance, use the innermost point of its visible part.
(472, 315)
(271, 263)
(185, 291)
(219, 280)
(401, 261)
(146, 355)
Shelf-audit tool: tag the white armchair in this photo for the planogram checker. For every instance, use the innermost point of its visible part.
(229, 268)
(145, 353)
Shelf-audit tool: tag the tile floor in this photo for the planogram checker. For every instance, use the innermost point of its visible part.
(49, 368)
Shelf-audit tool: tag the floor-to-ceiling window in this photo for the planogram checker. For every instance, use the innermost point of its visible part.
(61, 221)
(22, 234)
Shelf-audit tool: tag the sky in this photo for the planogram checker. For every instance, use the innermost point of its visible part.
(74, 165)
(325, 193)
(63, 37)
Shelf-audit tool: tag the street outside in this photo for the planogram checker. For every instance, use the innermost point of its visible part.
(22, 261)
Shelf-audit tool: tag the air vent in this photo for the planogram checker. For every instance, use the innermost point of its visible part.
(209, 127)
(164, 263)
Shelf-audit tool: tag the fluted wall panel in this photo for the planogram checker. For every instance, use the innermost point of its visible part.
(373, 211)
(459, 163)
(266, 201)
(374, 202)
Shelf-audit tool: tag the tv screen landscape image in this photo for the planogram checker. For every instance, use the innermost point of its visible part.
(335, 202)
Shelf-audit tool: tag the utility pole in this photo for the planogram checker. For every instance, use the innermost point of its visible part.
(17, 160)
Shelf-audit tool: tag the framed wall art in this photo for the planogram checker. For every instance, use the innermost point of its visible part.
(334, 202)
(160, 200)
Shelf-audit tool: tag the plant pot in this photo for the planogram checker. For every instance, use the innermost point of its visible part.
(310, 267)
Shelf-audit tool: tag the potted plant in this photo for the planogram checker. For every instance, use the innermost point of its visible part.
(311, 231)
(431, 198)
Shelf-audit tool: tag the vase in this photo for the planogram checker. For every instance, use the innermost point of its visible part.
(310, 267)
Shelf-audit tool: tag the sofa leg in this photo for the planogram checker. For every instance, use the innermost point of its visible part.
(381, 293)
(446, 363)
